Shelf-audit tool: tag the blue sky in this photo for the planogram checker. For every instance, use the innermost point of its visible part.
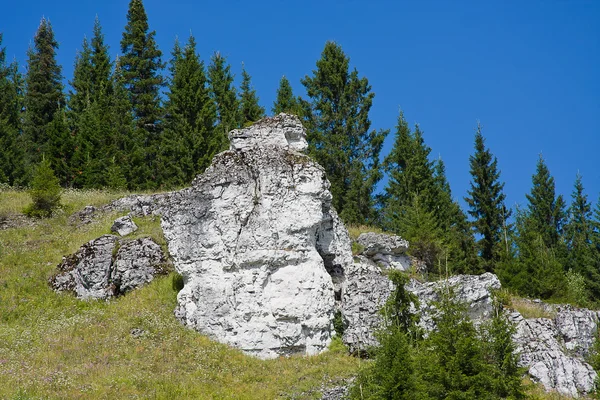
(529, 71)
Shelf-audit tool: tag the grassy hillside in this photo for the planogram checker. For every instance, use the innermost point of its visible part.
(53, 346)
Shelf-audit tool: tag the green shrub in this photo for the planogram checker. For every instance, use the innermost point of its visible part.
(177, 282)
(45, 192)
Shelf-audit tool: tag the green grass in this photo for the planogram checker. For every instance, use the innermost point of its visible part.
(53, 346)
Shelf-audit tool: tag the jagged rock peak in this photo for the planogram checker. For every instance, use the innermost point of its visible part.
(283, 130)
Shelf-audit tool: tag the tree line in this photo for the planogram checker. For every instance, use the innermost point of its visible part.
(114, 128)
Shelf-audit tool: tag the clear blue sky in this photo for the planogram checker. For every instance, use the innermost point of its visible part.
(528, 70)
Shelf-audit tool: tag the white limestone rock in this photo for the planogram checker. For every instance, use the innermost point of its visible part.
(124, 226)
(254, 238)
(553, 350)
(386, 250)
(108, 267)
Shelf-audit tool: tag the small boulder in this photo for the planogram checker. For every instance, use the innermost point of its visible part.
(124, 226)
(108, 267)
(386, 250)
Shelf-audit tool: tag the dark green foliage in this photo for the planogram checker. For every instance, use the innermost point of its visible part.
(224, 95)
(579, 235)
(45, 192)
(141, 65)
(285, 101)
(538, 270)
(90, 113)
(11, 104)
(486, 203)
(417, 204)
(250, 110)
(339, 136)
(397, 310)
(44, 98)
(338, 323)
(190, 119)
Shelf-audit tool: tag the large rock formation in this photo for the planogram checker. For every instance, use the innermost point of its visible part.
(258, 245)
(107, 267)
(554, 349)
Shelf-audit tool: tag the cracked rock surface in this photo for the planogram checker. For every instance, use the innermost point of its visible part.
(259, 245)
(108, 267)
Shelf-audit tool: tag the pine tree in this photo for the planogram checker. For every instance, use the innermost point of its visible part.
(486, 203)
(190, 118)
(224, 95)
(11, 87)
(141, 65)
(44, 97)
(339, 136)
(545, 210)
(45, 191)
(579, 235)
(285, 101)
(538, 270)
(89, 112)
(250, 110)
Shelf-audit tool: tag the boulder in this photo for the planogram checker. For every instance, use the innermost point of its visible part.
(124, 226)
(107, 267)
(259, 246)
(386, 250)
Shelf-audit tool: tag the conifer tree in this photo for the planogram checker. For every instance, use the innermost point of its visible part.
(100, 85)
(11, 88)
(579, 235)
(285, 101)
(250, 110)
(45, 191)
(339, 136)
(141, 66)
(44, 97)
(538, 270)
(486, 203)
(227, 105)
(127, 153)
(191, 115)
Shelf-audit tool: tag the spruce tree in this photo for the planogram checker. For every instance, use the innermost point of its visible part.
(285, 101)
(250, 110)
(579, 235)
(486, 203)
(45, 191)
(539, 266)
(190, 118)
(224, 95)
(339, 136)
(44, 97)
(11, 88)
(141, 66)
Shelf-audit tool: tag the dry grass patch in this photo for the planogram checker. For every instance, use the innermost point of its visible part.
(530, 309)
(355, 230)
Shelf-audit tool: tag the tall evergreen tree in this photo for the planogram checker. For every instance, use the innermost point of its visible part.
(224, 95)
(250, 110)
(539, 266)
(89, 111)
(339, 136)
(285, 101)
(190, 120)
(44, 98)
(486, 203)
(579, 235)
(11, 104)
(141, 65)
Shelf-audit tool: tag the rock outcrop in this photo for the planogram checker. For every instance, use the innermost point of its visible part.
(258, 244)
(124, 226)
(108, 267)
(554, 349)
(388, 251)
